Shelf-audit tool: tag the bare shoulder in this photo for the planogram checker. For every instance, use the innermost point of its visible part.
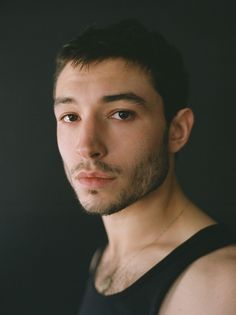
(208, 286)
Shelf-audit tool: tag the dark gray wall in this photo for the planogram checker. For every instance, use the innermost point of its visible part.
(45, 240)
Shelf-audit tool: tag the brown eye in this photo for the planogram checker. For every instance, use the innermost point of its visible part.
(69, 118)
(122, 115)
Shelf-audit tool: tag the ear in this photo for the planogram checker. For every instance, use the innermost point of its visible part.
(180, 129)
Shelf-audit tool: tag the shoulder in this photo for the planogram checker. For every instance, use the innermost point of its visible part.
(208, 286)
(96, 259)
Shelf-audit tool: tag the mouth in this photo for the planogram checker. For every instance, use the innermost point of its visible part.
(94, 179)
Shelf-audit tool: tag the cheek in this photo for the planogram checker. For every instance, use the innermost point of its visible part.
(148, 140)
(65, 145)
(138, 151)
(135, 144)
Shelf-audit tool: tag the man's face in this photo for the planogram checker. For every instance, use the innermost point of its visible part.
(111, 133)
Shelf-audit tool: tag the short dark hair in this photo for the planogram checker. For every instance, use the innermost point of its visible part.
(130, 40)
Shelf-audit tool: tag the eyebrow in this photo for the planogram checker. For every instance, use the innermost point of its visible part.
(63, 100)
(128, 96)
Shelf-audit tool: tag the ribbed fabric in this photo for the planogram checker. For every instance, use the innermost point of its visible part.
(145, 296)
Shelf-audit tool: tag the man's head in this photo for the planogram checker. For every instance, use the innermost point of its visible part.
(115, 132)
(132, 42)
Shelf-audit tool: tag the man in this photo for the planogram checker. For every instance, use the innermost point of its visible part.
(121, 109)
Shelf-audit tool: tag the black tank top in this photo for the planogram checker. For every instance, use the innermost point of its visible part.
(145, 296)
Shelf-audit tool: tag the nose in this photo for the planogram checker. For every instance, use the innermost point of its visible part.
(91, 140)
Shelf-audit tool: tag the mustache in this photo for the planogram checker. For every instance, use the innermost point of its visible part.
(96, 165)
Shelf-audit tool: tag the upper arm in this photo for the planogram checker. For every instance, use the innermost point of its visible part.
(208, 286)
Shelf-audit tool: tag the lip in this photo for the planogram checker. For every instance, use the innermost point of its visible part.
(94, 179)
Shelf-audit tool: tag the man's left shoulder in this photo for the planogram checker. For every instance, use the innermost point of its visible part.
(207, 286)
(217, 266)
(214, 276)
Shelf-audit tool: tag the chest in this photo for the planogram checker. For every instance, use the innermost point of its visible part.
(112, 277)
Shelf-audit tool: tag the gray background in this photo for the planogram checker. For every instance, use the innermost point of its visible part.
(45, 239)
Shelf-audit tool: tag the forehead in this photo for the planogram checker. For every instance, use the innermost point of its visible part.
(111, 74)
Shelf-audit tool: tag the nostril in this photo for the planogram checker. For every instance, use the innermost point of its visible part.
(95, 154)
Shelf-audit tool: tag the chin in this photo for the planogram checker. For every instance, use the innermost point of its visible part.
(99, 208)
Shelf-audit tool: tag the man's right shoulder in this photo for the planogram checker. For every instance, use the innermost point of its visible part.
(95, 259)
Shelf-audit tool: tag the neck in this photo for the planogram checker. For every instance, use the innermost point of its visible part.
(139, 224)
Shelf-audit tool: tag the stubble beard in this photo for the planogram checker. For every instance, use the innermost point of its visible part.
(147, 176)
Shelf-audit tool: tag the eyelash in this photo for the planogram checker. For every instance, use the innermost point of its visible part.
(67, 115)
(130, 113)
(75, 117)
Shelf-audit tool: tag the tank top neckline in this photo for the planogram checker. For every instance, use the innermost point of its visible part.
(158, 267)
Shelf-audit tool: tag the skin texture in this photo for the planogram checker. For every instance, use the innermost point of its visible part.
(118, 155)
